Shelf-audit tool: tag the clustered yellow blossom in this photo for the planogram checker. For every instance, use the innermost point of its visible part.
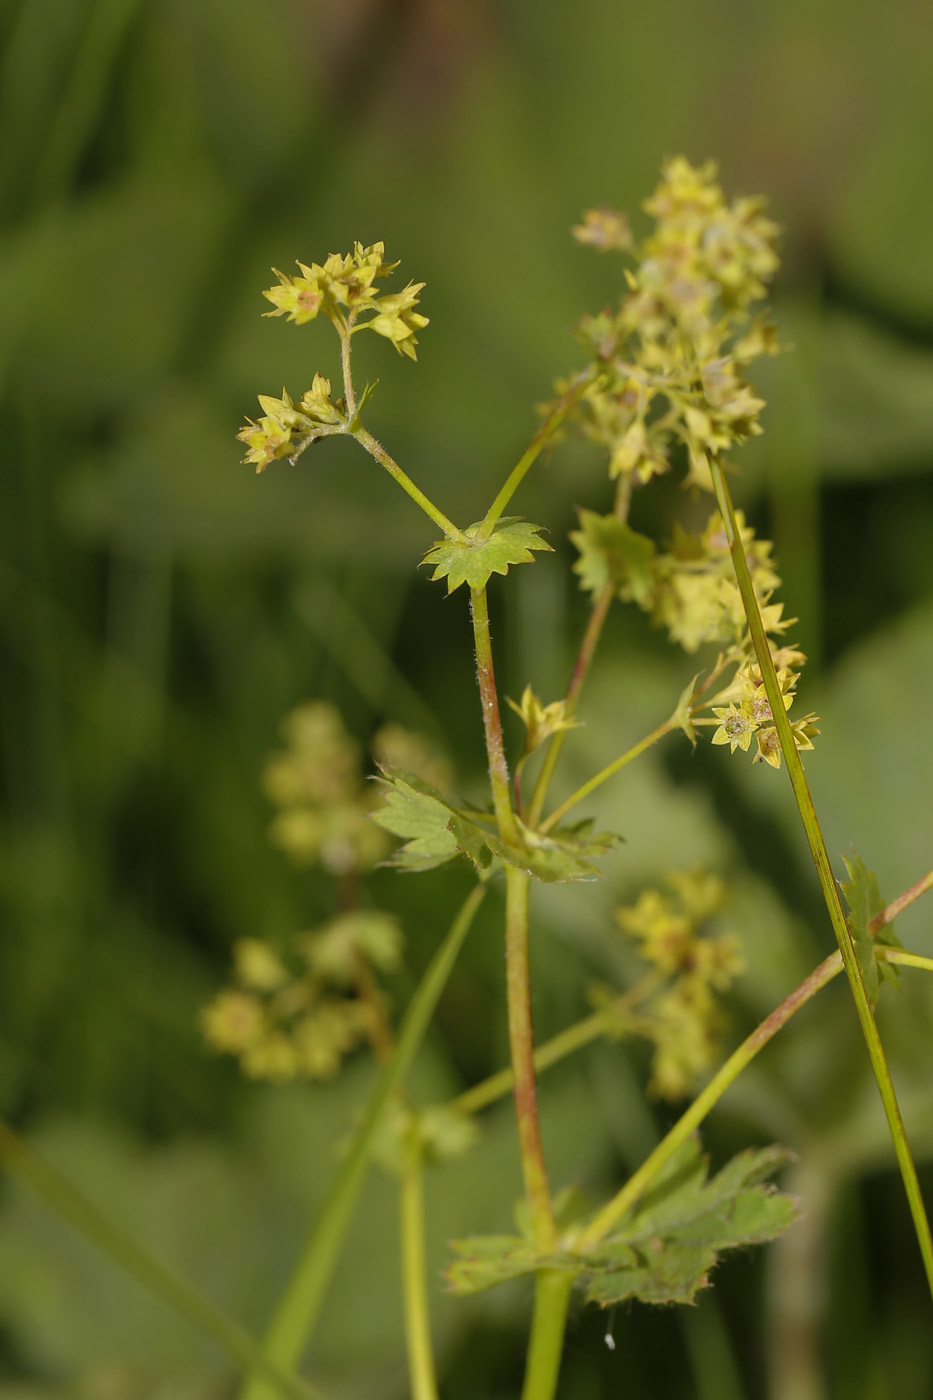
(298, 1016)
(669, 363)
(682, 1015)
(748, 712)
(342, 288)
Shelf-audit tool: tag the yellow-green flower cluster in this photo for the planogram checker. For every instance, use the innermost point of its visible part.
(683, 1016)
(286, 428)
(695, 593)
(343, 288)
(669, 362)
(287, 1018)
(748, 712)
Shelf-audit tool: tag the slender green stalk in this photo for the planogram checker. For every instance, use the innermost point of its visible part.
(608, 772)
(600, 1226)
(559, 1046)
(414, 1285)
(591, 636)
(521, 1045)
(298, 1309)
(157, 1278)
(552, 1298)
(542, 437)
(492, 720)
(376, 449)
(824, 871)
(349, 393)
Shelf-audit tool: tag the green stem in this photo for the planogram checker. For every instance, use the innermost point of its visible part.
(521, 1045)
(414, 1290)
(608, 772)
(492, 720)
(552, 1298)
(542, 437)
(591, 636)
(824, 871)
(558, 1047)
(298, 1309)
(162, 1282)
(345, 332)
(376, 449)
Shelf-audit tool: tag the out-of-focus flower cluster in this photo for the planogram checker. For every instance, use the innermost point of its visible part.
(343, 289)
(297, 1015)
(670, 361)
(317, 784)
(297, 1012)
(691, 967)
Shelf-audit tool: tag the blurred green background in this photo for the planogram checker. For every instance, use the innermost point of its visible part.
(163, 609)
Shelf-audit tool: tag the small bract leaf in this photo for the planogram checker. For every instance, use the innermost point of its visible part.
(473, 559)
(865, 901)
(557, 858)
(612, 552)
(434, 832)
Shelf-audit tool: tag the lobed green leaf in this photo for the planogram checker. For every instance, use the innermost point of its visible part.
(474, 558)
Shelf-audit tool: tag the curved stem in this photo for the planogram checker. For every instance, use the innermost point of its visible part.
(349, 394)
(376, 449)
(414, 1289)
(824, 871)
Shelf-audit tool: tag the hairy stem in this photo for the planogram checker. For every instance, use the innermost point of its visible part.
(492, 721)
(376, 449)
(417, 1314)
(824, 871)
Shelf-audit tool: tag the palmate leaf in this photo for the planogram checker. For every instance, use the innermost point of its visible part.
(664, 1251)
(473, 559)
(865, 901)
(433, 832)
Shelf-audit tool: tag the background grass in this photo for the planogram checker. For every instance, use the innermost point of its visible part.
(162, 610)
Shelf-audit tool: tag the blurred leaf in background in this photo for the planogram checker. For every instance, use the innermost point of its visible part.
(162, 609)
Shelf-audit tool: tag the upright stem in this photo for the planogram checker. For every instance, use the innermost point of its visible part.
(492, 721)
(565, 404)
(417, 1313)
(521, 1045)
(824, 871)
(552, 1297)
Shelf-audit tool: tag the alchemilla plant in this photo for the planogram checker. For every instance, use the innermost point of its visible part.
(664, 387)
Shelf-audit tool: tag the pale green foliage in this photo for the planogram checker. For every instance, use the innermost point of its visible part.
(480, 553)
(664, 1250)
